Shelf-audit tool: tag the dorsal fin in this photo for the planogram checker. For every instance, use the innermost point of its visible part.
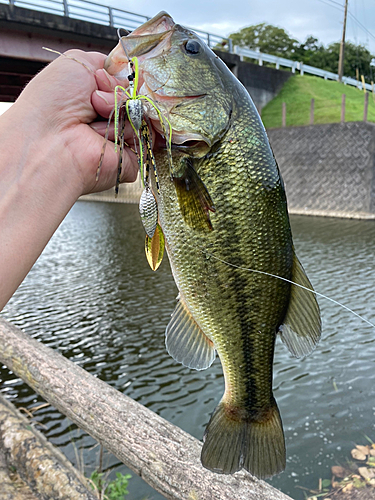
(186, 342)
(302, 324)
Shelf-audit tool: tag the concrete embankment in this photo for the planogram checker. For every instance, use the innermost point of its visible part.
(328, 170)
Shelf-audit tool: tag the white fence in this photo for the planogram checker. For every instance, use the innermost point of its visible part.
(295, 65)
(118, 18)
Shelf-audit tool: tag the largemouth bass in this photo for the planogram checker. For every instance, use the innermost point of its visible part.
(223, 211)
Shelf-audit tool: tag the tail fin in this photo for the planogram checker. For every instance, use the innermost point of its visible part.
(236, 439)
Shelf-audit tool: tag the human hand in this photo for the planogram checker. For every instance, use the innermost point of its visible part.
(50, 149)
(59, 107)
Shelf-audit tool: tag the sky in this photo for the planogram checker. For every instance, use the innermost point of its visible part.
(300, 18)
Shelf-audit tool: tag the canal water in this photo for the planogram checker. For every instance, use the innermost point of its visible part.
(93, 297)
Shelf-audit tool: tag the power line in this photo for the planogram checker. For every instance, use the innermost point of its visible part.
(334, 4)
(337, 3)
(331, 2)
(361, 25)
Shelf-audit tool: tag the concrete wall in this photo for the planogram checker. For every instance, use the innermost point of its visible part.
(262, 83)
(328, 169)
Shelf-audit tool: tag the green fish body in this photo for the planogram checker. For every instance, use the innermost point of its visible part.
(223, 212)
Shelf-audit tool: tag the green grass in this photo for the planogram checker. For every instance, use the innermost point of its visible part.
(110, 490)
(297, 94)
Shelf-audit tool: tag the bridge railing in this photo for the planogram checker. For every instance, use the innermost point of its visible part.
(86, 10)
(102, 14)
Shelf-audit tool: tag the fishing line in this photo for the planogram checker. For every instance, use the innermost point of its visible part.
(169, 143)
(122, 42)
(79, 62)
(292, 283)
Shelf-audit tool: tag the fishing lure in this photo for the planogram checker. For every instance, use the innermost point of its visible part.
(129, 104)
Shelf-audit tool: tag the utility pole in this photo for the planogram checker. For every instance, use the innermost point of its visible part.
(342, 44)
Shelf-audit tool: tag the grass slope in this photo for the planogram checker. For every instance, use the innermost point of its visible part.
(297, 94)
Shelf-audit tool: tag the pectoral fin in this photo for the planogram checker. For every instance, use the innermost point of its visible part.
(194, 199)
(186, 342)
(302, 324)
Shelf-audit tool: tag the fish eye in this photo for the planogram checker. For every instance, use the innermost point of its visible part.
(192, 47)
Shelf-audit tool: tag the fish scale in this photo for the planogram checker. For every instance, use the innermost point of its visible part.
(222, 208)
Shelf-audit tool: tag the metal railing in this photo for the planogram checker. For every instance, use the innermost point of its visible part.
(296, 65)
(102, 14)
(85, 10)
(110, 16)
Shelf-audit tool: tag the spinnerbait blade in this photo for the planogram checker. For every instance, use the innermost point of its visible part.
(148, 210)
(154, 248)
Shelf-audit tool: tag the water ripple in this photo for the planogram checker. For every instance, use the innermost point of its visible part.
(92, 296)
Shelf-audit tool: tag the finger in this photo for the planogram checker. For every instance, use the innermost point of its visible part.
(108, 172)
(93, 61)
(107, 82)
(101, 128)
(108, 169)
(130, 166)
(103, 102)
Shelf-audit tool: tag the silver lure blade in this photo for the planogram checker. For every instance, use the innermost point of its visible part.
(148, 210)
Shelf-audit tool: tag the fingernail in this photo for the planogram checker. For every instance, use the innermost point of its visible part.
(102, 95)
(112, 81)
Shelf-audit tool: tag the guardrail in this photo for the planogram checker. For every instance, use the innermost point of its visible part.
(118, 18)
(296, 65)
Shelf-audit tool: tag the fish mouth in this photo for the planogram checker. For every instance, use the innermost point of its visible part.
(158, 24)
(140, 43)
(148, 41)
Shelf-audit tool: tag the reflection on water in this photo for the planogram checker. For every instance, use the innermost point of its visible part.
(93, 297)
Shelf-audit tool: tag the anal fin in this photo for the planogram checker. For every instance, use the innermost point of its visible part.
(186, 342)
(302, 324)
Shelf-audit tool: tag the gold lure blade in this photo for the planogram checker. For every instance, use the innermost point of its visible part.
(154, 248)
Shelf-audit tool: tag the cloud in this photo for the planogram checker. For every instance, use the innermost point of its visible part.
(299, 18)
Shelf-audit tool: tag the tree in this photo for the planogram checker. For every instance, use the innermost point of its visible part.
(266, 38)
(313, 53)
(356, 56)
(276, 41)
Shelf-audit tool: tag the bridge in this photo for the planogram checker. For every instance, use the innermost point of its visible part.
(92, 27)
(23, 34)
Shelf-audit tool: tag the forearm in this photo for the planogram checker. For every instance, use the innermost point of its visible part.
(36, 193)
